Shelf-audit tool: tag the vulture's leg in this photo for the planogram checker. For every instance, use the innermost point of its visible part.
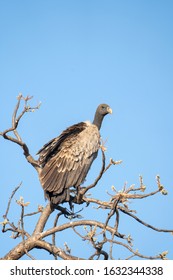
(67, 213)
(64, 210)
(71, 203)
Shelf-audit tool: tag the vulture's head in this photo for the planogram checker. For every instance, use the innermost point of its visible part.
(102, 110)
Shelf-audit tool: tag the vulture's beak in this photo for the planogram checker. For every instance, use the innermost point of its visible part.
(109, 110)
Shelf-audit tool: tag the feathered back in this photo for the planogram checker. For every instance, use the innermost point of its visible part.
(66, 160)
(54, 145)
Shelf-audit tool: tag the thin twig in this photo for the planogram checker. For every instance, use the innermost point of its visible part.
(144, 223)
(54, 234)
(99, 176)
(136, 253)
(31, 214)
(112, 162)
(113, 210)
(10, 199)
(98, 253)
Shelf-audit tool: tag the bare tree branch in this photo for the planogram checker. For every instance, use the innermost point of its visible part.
(17, 139)
(135, 253)
(9, 202)
(52, 249)
(144, 223)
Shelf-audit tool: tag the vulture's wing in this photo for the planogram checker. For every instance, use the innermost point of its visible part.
(52, 147)
(66, 159)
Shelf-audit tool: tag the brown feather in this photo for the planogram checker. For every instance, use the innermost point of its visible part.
(66, 159)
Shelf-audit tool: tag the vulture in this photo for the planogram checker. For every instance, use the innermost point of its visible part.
(65, 160)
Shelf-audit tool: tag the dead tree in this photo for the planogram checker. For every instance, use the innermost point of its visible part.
(99, 235)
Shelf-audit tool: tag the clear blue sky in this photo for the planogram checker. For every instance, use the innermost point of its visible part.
(72, 56)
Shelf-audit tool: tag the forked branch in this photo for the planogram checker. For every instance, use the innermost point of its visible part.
(16, 138)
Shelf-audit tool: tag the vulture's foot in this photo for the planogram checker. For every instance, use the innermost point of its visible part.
(67, 213)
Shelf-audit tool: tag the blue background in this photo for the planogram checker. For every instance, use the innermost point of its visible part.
(72, 56)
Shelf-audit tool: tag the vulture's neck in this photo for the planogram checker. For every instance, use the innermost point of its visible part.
(98, 120)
